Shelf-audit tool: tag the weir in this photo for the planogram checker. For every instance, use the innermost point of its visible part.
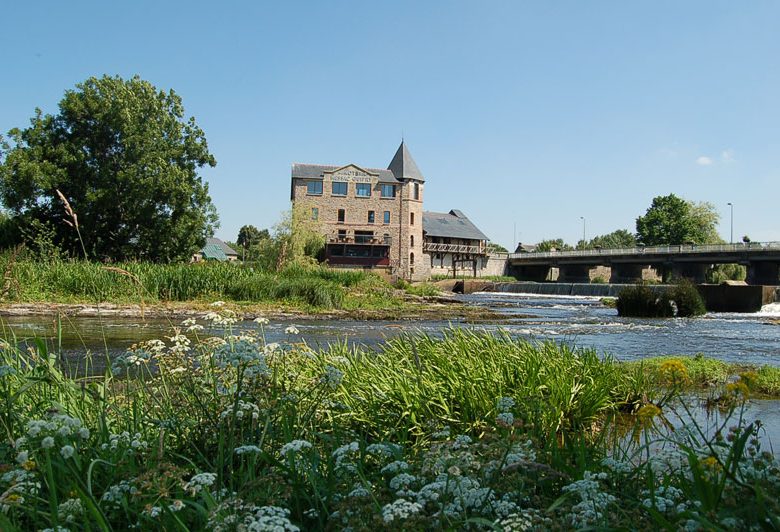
(717, 298)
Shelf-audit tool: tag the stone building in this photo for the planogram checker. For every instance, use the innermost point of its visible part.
(371, 217)
(454, 246)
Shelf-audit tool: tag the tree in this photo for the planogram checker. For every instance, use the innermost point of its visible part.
(123, 156)
(553, 245)
(249, 235)
(616, 239)
(671, 220)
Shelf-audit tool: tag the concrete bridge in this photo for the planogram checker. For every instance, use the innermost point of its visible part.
(689, 261)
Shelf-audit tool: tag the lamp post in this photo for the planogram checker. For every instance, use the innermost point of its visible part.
(583, 231)
(731, 206)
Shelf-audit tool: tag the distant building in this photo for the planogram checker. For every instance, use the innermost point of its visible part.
(373, 218)
(370, 217)
(215, 249)
(454, 245)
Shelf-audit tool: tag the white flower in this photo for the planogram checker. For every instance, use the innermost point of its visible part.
(84, 433)
(505, 404)
(506, 419)
(217, 304)
(245, 449)
(67, 451)
(47, 442)
(176, 506)
(292, 329)
(332, 377)
(200, 481)
(294, 446)
(22, 457)
(400, 510)
(261, 321)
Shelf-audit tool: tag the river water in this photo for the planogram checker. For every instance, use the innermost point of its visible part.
(85, 345)
(581, 321)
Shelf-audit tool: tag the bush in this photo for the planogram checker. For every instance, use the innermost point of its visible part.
(642, 302)
(687, 299)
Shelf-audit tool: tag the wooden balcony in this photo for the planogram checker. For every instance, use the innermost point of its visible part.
(434, 247)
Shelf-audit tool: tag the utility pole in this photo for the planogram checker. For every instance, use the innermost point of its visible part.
(731, 205)
(583, 231)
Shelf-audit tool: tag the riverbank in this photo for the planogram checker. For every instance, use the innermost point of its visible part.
(469, 430)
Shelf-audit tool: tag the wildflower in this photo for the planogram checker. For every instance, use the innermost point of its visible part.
(261, 321)
(292, 329)
(22, 457)
(270, 518)
(294, 446)
(67, 451)
(217, 304)
(176, 506)
(47, 442)
(674, 372)
(332, 377)
(200, 481)
(505, 419)
(84, 433)
(70, 510)
(358, 491)
(402, 481)
(505, 404)
(648, 412)
(395, 467)
(6, 370)
(593, 502)
(246, 449)
(399, 510)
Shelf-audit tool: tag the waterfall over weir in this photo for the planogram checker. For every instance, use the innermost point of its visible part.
(563, 289)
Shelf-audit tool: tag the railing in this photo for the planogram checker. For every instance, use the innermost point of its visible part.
(360, 239)
(453, 248)
(654, 250)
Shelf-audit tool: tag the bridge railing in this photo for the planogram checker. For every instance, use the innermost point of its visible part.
(453, 248)
(654, 250)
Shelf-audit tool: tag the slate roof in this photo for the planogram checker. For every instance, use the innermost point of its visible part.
(213, 252)
(226, 250)
(453, 224)
(316, 171)
(403, 165)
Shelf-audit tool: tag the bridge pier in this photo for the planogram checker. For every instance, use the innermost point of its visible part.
(574, 273)
(626, 273)
(531, 273)
(693, 271)
(764, 273)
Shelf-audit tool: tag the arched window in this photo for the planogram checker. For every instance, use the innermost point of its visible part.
(411, 240)
(411, 258)
(411, 218)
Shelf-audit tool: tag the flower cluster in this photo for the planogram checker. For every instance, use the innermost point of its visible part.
(593, 501)
(200, 481)
(400, 510)
(242, 352)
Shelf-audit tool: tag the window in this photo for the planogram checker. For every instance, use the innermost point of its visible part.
(364, 237)
(342, 235)
(411, 218)
(314, 188)
(341, 215)
(363, 190)
(370, 217)
(411, 258)
(388, 191)
(387, 217)
(411, 240)
(315, 213)
(338, 189)
(417, 191)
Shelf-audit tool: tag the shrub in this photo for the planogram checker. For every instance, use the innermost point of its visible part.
(642, 302)
(687, 299)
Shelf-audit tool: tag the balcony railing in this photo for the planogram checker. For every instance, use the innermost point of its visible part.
(454, 248)
(359, 239)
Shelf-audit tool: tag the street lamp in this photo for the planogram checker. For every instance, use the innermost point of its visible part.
(583, 230)
(731, 205)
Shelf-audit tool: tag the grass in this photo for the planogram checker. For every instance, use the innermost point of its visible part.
(496, 278)
(216, 429)
(80, 281)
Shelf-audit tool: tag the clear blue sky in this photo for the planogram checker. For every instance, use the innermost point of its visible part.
(526, 113)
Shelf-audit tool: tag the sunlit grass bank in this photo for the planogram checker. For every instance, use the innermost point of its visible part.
(216, 429)
(80, 281)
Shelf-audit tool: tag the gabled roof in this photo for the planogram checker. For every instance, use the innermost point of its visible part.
(453, 224)
(213, 252)
(223, 248)
(317, 171)
(403, 165)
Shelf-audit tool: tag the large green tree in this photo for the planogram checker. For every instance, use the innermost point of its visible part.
(126, 159)
(671, 220)
(620, 238)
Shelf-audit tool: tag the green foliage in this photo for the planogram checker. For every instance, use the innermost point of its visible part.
(726, 272)
(423, 290)
(297, 238)
(124, 156)
(475, 431)
(671, 220)
(251, 240)
(687, 299)
(642, 302)
(616, 239)
(553, 245)
(492, 247)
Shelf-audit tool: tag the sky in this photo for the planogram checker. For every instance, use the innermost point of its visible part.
(533, 118)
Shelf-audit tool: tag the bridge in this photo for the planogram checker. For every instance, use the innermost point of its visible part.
(627, 265)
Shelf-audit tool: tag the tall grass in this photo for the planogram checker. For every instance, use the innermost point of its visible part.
(219, 430)
(77, 281)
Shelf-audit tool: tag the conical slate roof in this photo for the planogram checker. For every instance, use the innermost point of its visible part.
(403, 166)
